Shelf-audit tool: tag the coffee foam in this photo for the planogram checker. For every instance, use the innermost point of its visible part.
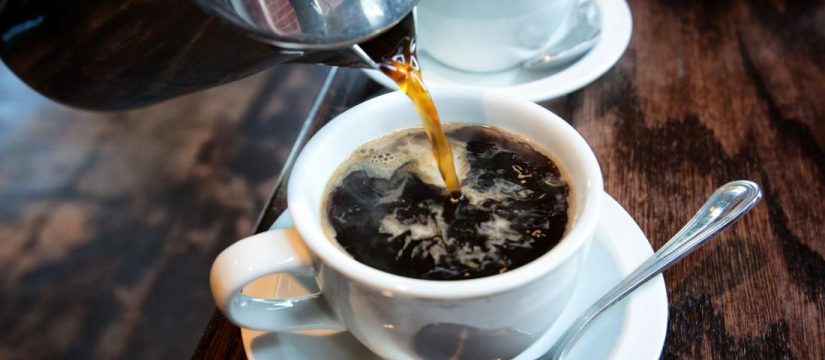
(380, 158)
(428, 237)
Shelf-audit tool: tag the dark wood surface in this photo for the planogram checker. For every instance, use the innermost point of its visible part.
(710, 91)
(347, 87)
(109, 222)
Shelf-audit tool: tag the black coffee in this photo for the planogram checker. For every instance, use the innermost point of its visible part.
(388, 208)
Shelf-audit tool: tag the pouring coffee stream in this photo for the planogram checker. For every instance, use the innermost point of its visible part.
(402, 67)
(103, 55)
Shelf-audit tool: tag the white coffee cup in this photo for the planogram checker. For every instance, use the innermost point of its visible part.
(491, 35)
(395, 316)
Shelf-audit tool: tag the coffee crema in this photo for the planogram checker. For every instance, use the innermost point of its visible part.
(402, 67)
(388, 208)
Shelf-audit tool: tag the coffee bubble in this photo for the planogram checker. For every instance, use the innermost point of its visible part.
(386, 205)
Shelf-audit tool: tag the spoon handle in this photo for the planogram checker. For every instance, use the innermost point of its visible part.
(727, 204)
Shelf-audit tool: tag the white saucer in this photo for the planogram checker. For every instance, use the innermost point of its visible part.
(617, 25)
(633, 329)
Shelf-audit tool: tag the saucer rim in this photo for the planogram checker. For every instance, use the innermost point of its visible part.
(617, 21)
(647, 306)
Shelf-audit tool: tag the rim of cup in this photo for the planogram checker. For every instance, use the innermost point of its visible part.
(307, 214)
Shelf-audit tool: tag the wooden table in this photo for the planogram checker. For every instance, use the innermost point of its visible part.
(707, 92)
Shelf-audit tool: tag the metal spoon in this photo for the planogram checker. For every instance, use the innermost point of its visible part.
(729, 203)
(575, 44)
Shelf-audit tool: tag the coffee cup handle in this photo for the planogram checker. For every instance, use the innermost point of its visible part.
(270, 252)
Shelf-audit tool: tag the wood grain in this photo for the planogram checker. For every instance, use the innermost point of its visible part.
(348, 87)
(109, 222)
(708, 92)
